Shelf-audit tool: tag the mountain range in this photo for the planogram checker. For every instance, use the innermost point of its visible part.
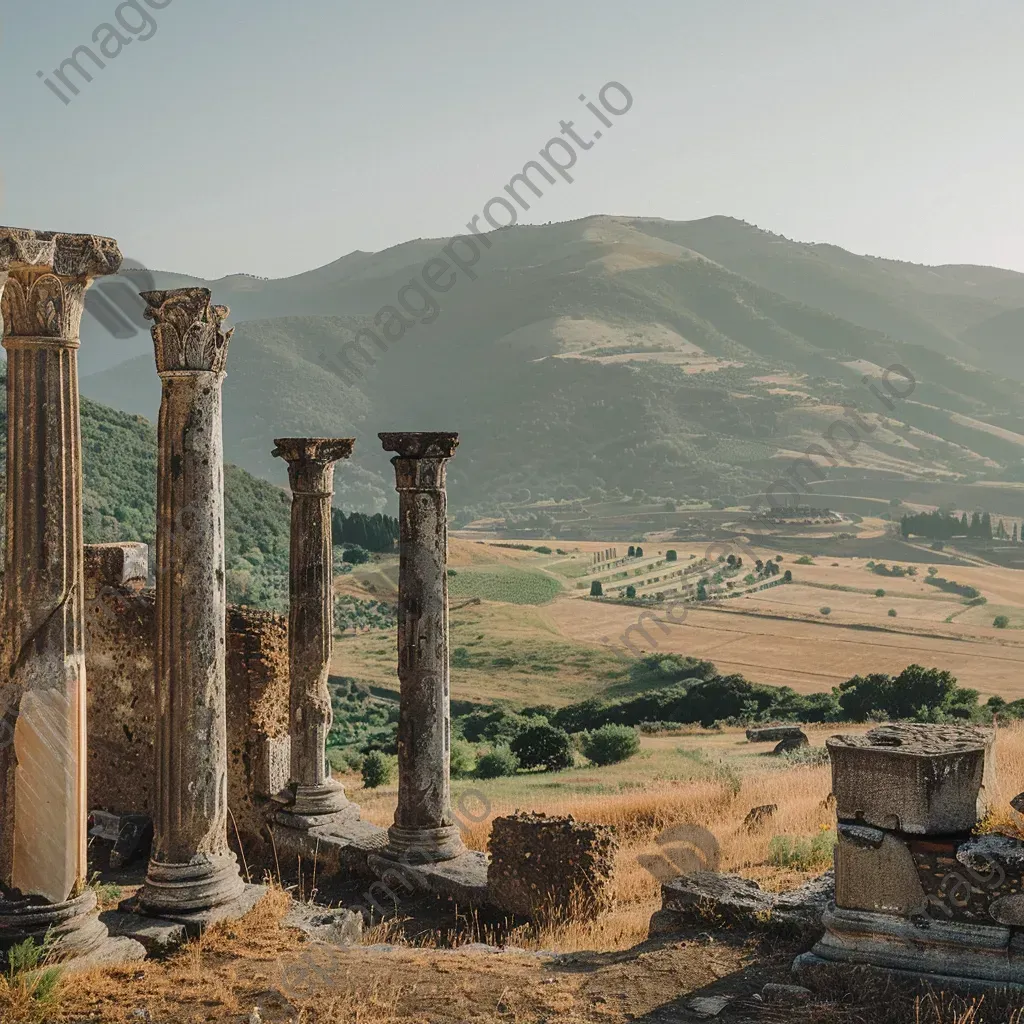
(607, 356)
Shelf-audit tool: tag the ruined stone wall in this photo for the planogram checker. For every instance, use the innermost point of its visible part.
(120, 641)
(542, 865)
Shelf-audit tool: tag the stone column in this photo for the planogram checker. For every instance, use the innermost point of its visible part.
(43, 277)
(424, 829)
(316, 797)
(191, 868)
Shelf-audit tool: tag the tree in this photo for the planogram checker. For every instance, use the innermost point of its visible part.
(1014, 533)
(498, 763)
(788, 576)
(965, 530)
(639, 552)
(631, 552)
(974, 530)
(892, 613)
(731, 560)
(631, 591)
(378, 769)
(596, 590)
(1001, 530)
(543, 746)
(610, 744)
(702, 590)
(879, 592)
(985, 530)
(932, 570)
(355, 555)
(1001, 621)
(671, 555)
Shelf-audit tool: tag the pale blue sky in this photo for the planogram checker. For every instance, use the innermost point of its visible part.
(271, 137)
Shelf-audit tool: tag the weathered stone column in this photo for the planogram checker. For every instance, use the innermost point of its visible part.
(43, 277)
(316, 797)
(424, 828)
(191, 868)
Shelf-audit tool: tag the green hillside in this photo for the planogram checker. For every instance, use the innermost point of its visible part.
(611, 356)
(119, 470)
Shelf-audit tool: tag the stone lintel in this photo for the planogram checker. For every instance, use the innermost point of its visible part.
(186, 330)
(423, 445)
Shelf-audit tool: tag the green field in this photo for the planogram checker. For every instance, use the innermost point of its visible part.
(514, 586)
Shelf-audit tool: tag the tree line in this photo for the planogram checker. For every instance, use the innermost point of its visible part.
(939, 525)
(375, 532)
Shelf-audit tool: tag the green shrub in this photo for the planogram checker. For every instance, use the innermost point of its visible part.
(610, 744)
(356, 555)
(825, 610)
(543, 746)
(596, 590)
(378, 769)
(1001, 621)
(879, 592)
(892, 613)
(543, 550)
(810, 756)
(462, 758)
(803, 853)
(805, 560)
(671, 555)
(497, 764)
(631, 591)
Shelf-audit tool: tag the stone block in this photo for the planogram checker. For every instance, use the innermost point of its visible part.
(122, 564)
(774, 733)
(876, 871)
(542, 864)
(920, 779)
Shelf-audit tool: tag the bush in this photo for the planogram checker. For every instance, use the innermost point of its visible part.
(378, 769)
(825, 610)
(497, 764)
(892, 613)
(879, 592)
(803, 853)
(356, 555)
(631, 591)
(543, 550)
(805, 560)
(543, 746)
(1001, 621)
(671, 555)
(461, 758)
(596, 590)
(809, 756)
(610, 744)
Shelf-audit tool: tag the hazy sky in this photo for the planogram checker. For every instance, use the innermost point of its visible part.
(272, 137)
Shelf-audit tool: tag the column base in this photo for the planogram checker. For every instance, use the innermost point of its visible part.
(423, 845)
(204, 883)
(74, 926)
(317, 802)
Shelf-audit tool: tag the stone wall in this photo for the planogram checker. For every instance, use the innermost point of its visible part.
(542, 865)
(120, 640)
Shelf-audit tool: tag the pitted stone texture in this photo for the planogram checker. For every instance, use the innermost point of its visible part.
(921, 779)
(192, 868)
(311, 622)
(121, 564)
(774, 733)
(424, 827)
(543, 865)
(875, 870)
(43, 278)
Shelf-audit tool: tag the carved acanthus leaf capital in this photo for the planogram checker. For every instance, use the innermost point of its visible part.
(428, 445)
(46, 275)
(311, 461)
(187, 331)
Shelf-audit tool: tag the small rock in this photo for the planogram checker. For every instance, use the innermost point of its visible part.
(1017, 803)
(791, 743)
(709, 1006)
(776, 993)
(141, 1015)
(255, 1017)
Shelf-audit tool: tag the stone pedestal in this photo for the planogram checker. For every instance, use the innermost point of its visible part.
(192, 869)
(424, 830)
(917, 897)
(314, 796)
(43, 279)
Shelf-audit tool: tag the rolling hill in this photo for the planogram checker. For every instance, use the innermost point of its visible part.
(616, 355)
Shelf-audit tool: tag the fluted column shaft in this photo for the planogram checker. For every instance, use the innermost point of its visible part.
(192, 866)
(424, 828)
(311, 623)
(43, 811)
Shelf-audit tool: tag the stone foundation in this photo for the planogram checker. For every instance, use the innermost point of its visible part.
(120, 645)
(542, 864)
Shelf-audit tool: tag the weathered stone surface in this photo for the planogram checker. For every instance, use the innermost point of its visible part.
(876, 871)
(709, 897)
(786, 995)
(311, 621)
(120, 630)
(43, 279)
(923, 779)
(120, 564)
(773, 733)
(339, 927)
(543, 865)
(424, 828)
(192, 868)
(790, 743)
(462, 879)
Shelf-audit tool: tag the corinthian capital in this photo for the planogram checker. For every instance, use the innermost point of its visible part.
(46, 274)
(420, 459)
(187, 331)
(311, 460)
